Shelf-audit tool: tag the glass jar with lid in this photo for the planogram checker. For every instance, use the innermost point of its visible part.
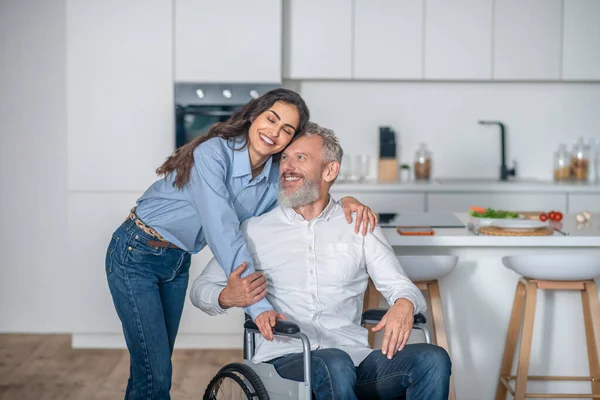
(580, 161)
(562, 164)
(422, 167)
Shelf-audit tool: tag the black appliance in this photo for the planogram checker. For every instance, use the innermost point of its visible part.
(199, 106)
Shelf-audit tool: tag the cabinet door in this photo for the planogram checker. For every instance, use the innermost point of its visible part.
(385, 202)
(92, 219)
(388, 39)
(581, 40)
(119, 92)
(228, 41)
(584, 202)
(317, 39)
(460, 202)
(458, 39)
(527, 39)
(195, 321)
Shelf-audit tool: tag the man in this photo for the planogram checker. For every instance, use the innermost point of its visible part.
(317, 272)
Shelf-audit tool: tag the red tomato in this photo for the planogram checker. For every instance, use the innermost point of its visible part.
(558, 216)
(543, 217)
(551, 215)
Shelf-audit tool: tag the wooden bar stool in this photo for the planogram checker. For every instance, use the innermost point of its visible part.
(549, 272)
(424, 271)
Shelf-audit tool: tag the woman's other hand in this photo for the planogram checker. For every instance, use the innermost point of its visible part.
(364, 215)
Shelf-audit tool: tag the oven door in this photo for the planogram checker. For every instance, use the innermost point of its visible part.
(194, 121)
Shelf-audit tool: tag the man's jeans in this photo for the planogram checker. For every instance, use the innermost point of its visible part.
(148, 286)
(419, 371)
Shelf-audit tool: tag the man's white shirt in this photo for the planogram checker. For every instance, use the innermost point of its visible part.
(317, 273)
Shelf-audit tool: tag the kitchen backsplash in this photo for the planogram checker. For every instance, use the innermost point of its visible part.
(444, 115)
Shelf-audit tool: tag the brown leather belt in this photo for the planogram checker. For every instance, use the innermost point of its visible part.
(161, 242)
(158, 243)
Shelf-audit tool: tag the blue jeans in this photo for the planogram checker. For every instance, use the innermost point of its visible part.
(148, 286)
(419, 371)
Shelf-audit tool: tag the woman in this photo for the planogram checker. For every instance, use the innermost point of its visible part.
(210, 186)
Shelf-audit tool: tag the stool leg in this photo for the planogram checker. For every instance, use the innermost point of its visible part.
(439, 328)
(512, 336)
(591, 317)
(526, 338)
(371, 301)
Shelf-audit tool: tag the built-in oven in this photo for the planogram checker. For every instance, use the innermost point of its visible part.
(199, 106)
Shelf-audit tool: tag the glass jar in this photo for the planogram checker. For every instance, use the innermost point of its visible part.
(580, 161)
(562, 164)
(422, 163)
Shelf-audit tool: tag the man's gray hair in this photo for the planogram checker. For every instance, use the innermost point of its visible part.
(332, 151)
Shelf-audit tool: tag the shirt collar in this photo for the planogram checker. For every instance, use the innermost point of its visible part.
(241, 163)
(327, 213)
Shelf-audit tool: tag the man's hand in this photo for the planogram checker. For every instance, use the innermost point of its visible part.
(266, 322)
(364, 215)
(243, 292)
(398, 322)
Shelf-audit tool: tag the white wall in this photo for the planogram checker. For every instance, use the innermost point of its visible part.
(33, 166)
(444, 115)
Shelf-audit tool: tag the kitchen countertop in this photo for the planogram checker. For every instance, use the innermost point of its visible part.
(468, 185)
(580, 235)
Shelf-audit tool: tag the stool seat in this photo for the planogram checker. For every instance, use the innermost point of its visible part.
(555, 267)
(427, 268)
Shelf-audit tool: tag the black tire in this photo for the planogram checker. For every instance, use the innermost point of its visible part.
(233, 371)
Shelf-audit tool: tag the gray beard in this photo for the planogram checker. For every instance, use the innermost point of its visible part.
(306, 194)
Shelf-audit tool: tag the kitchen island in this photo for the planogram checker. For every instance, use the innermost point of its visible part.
(477, 300)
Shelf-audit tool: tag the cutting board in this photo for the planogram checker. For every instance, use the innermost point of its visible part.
(434, 220)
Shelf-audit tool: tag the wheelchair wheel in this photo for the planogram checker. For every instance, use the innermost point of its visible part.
(236, 381)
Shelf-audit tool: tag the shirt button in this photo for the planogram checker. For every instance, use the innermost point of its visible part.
(130, 248)
(137, 236)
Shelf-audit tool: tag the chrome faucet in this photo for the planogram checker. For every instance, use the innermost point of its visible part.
(505, 172)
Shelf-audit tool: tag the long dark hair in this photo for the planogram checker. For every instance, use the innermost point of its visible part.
(236, 126)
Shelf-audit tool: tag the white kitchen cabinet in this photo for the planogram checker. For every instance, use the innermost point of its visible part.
(92, 219)
(527, 39)
(460, 202)
(584, 202)
(228, 41)
(317, 39)
(385, 202)
(388, 39)
(119, 92)
(195, 321)
(458, 39)
(581, 40)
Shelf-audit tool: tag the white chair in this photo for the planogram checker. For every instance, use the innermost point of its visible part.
(551, 272)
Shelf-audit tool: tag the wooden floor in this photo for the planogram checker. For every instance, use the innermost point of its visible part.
(45, 367)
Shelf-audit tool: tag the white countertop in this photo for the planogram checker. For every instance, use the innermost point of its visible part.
(468, 185)
(580, 235)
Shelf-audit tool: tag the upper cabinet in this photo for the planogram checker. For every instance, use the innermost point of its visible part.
(317, 40)
(581, 40)
(228, 41)
(119, 93)
(458, 43)
(527, 39)
(388, 39)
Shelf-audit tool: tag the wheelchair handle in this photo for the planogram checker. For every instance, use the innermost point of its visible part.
(283, 328)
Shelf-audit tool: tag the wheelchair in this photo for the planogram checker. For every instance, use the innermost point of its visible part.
(261, 381)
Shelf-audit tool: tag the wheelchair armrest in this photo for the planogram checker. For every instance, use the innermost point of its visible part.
(281, 327)
(374, 316)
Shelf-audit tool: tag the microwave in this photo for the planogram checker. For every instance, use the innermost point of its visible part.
(198, 106)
